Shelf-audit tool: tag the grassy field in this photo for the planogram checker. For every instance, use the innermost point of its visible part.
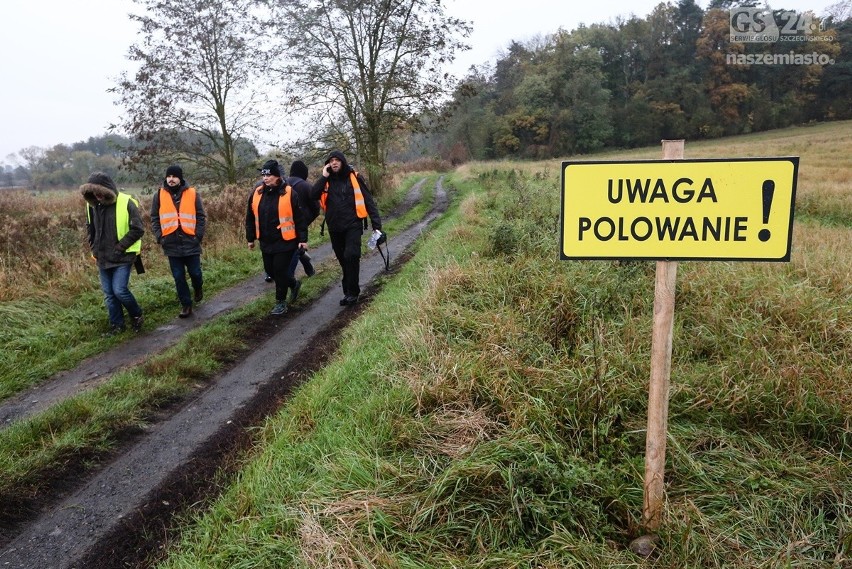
(489, 409)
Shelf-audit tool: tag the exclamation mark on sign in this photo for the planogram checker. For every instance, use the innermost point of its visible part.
(768, 193)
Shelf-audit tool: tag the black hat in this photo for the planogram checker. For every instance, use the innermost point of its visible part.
(299, 170)
(101, 179)
(271, 167)
(174, 170)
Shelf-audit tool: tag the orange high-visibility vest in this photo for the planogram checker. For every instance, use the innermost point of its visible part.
(171, 218)
(360, 207)
(285, 213)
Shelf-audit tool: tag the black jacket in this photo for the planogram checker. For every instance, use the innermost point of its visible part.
(271, 240)
(178, 243)
(310, 207)
(109, 251)
(340, 212)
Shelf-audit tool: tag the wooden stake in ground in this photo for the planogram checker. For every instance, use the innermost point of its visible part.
(661, 365)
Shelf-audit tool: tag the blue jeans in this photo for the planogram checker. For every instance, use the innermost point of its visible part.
(114, 283)
(180, 266)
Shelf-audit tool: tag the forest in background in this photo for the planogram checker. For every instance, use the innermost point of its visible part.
(671, 74)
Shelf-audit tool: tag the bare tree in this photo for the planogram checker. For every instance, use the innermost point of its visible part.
(192, 98)
(365, 69)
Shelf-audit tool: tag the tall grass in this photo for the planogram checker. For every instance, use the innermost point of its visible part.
(489, 410)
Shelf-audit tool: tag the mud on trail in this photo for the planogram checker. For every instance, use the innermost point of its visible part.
(125, 512)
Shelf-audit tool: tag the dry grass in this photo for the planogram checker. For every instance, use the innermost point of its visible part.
(43, 247)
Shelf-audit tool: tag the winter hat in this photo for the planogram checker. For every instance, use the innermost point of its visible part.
(174, 170)
(101, 179)
(299, 170)
(271, 167)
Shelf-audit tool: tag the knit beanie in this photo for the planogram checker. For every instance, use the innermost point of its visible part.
(271, 167)
(299, 170)
(174, 170)
(101, 179)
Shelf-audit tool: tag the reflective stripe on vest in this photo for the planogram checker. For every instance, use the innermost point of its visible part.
(360, 207)
(171, 219)
(285, 214)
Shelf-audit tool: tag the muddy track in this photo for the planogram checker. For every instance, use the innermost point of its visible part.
(121, 515)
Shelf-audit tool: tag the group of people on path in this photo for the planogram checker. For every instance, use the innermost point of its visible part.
(279, 211)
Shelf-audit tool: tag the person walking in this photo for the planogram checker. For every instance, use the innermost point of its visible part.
(274, 218)
(178, 222)
(114, 230)
(311, 208)
(344, 196)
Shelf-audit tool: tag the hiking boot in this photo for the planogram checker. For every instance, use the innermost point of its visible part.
(114, 331)
(294, 291)
(199, 294)
(279, 309)
(268, 279)
(185, 312)
(349, 301)
(136, 323)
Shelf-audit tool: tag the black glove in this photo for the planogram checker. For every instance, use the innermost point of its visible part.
(382, 238)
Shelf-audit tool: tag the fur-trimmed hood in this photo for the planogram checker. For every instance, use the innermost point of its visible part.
(99, 189)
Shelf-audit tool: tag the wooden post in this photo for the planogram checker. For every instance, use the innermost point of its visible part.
(661, 367)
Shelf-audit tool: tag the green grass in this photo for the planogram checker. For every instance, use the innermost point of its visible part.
(489, 410)
(35, 327)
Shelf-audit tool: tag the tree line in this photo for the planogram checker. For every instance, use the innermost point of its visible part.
(240, 80)
(670, 75)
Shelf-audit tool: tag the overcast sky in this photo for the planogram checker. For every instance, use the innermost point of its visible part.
(58, 58)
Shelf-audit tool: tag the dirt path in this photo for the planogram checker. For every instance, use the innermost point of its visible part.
(120, 515)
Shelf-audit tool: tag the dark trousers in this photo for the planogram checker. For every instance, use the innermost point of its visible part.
(347, 249)
(277, 266)
(180, 266)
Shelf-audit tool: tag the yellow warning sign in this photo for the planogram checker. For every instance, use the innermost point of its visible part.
(679, 209)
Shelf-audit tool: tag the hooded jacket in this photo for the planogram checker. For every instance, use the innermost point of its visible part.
(108, 248)
(178, 243)
(298, 180)
(340, 214)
